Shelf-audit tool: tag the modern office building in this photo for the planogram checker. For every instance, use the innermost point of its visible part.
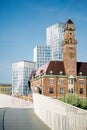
(21, 71)
(57, 78)
(42, 54)
(53, 48)
(54, 37)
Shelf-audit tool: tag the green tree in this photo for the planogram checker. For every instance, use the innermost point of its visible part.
(83, 104)
(75, 100)
(72, 99)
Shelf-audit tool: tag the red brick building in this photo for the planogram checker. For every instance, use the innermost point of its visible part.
(57, 78)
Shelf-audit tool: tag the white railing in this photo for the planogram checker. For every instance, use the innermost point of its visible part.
(58, 115)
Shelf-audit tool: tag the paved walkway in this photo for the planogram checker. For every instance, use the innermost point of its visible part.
(20, 119)
(18, 114)
(13, 102)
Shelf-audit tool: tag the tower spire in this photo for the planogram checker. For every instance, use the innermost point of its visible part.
(69, 49)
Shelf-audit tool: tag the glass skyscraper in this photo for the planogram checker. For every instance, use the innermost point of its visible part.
(53, 48)
(42, 54)
(21, 71)
(55, 36)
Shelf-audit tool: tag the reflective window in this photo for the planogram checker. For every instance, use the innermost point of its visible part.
(51, 81)
(81, 81)
(61, 90)
(61, 81)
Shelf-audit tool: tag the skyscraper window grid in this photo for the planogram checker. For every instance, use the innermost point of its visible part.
(21, 71)
(42, 54)
(54, 35)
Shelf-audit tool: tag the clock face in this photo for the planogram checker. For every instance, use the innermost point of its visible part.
(71, 54)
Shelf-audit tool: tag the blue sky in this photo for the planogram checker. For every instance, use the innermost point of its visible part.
(23, 25)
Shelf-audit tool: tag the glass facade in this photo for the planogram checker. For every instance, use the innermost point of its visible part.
(42, 54)
(53, 48)
(21, 72)
(55, 36)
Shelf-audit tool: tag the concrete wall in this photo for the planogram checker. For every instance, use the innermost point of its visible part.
(58, 115)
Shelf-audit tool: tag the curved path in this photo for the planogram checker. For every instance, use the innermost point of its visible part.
(16, 114)
(14, 102)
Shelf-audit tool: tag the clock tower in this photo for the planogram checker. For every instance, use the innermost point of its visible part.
(69, 49)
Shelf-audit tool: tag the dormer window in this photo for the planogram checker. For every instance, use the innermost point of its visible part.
(80, 73)
(51, 72)
(60, 73)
